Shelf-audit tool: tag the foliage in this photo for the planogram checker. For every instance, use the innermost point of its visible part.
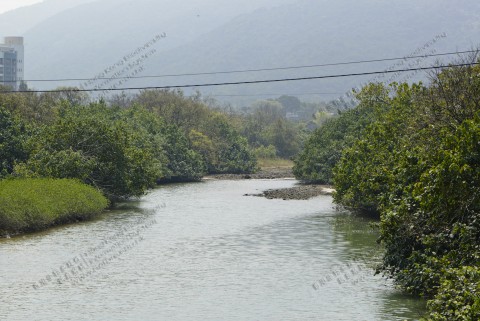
(170, 146)
(265, 152)
(184, 164)
(34, 204)
(320, 117)
(325, 146)
(211, 133)
(263, 124)
(232, 154)
(284, 137)
(458, 296)
(160, 136)
(185, 112)
(12, 142)
(92, 143)
(41, 108)
(364, 173)
(266, 125)
(203, 145)
(415, 162)
(439, 215)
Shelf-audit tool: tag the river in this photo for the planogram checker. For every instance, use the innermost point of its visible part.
(203, 251)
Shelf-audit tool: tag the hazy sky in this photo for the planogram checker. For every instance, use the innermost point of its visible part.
(6, 5)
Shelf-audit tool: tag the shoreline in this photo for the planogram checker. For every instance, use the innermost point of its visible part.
(264, 173)
(298, 192)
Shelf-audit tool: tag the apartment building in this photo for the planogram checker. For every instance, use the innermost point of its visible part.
(12, 62)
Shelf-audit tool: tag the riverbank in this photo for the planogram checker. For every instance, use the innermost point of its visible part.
(300, 192)
(264, 173)
(28, 205)
(46, 203)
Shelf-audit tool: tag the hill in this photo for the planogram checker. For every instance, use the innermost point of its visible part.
(205, 36)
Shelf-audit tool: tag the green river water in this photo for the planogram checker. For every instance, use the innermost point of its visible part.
(203, 251)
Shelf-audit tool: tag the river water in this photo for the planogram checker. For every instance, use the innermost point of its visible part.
(203, 251)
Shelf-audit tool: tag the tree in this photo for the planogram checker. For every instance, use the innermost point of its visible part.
(211, 133)
(232, 154)
(92, 143)
(184, 164)
(181, 163)
(416, 165)
(13, 135)
(324, 147)
(284, 137)
(363, 174)
(290, 103)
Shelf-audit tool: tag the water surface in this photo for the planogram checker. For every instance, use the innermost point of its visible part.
(203, 251)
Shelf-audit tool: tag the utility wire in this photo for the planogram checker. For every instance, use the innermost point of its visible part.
(256, 70)
(284, 94)
(245, 82)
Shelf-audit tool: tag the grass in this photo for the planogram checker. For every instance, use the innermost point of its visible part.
(28, 205)
(275, 162)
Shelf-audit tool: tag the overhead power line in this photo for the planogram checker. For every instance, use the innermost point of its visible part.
(283, 94)
(246, 82)
(257, 70)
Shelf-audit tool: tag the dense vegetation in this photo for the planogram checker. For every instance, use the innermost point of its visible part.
(122, 148)
(324, 147)
(12, 137)
(276, 129)
(130, 143)
(35, 204)
(208, 131)
(270, 133)
(411, 155)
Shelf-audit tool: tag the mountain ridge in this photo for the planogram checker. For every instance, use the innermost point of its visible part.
(204, 36)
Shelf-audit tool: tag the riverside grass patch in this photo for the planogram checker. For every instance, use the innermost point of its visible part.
(28, 205)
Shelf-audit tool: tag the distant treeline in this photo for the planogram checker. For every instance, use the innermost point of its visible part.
(411, 155)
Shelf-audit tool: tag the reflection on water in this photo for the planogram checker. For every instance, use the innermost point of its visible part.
(208, 253)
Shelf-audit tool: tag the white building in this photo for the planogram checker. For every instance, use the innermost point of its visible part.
(12, 62)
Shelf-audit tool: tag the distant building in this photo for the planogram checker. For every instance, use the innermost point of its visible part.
(12, 62)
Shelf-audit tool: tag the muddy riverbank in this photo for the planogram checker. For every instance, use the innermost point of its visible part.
(300, 192)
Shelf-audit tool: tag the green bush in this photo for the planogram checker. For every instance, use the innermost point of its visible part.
(416, 164)
(231, 151)
(171, 146)
(324, 148)
(458, 297)
(35, 204)
(211, 134)
(12, 141)
(269, 152)
(366, 174)
(96, 145)
(184, 164)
